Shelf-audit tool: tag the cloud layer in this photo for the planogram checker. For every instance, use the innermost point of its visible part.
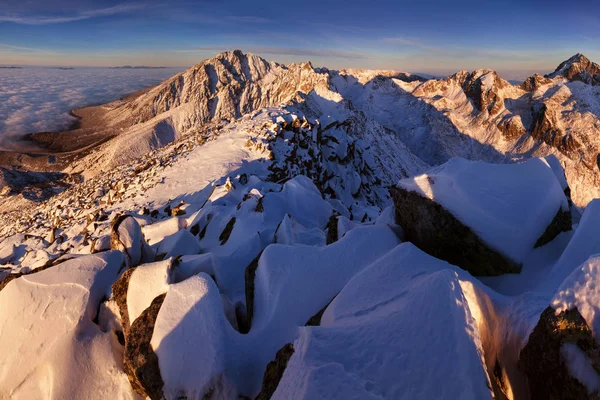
(40, 99)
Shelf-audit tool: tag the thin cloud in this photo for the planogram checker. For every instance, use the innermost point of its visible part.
(45, 20)
(248, 19)
(410, 42)
(288, 51)
(23, 49)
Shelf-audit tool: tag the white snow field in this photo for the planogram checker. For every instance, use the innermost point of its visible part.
(260, 257)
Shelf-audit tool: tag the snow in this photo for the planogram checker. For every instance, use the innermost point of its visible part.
(190, 339)
(177, 244)
(584, 243)
(50, 346)
(580, 291)
(316, 275)
(356, 352)
(581, 367)
(291, 232)
(146, 283)
(196, 345)
(507, 213)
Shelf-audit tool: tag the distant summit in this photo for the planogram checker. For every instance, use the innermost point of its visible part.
(578, 68)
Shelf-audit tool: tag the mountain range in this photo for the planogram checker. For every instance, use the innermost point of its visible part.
(248, 229)
(410, 122)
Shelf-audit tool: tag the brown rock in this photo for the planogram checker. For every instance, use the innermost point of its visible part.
(119, 293)
(274, 372)
(542, 362)
(140, 362)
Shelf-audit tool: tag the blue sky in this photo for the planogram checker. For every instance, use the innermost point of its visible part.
(431, 36)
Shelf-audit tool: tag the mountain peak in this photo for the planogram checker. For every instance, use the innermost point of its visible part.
(578, 68)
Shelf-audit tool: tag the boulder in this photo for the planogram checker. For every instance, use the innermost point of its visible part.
(544, 360)
(126, 235)
(436, 231)
(140, 362)
(478, 216)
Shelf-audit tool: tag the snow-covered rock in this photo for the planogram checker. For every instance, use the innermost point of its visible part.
(483, 217)
(51, 345)
(386, 336)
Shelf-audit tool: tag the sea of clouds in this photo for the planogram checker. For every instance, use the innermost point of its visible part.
(35, 99)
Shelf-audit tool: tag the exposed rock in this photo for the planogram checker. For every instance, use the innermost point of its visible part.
(315, 320)
(332, 229)
(481, 87)
(119, 294)
(126, 236)
(534, 82)
(542, 358)
(578, 68)
(546, 129)
(224, 237)
(250, 274)
(512, 127)
(140, 362)
(562, 222)
(274, 372)
(436, 231)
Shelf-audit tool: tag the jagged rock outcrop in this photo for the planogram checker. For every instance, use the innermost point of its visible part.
(534, 82)
(578, 68)
(512, 127)
(543, 362)
(546, 128)
(482, 88)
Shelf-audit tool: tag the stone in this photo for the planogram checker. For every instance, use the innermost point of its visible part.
(543, 363)
(140, 361)
(436, 231)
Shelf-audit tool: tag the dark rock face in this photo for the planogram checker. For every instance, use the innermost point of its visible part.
(140, 362)
(545, 128)
(332, 229)
(578, 68)
(250, 274)
(562, 222)
(274, 372)
(224, 237)
(512, 127)
(119, 293)
(542, 362)
(436, 231)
